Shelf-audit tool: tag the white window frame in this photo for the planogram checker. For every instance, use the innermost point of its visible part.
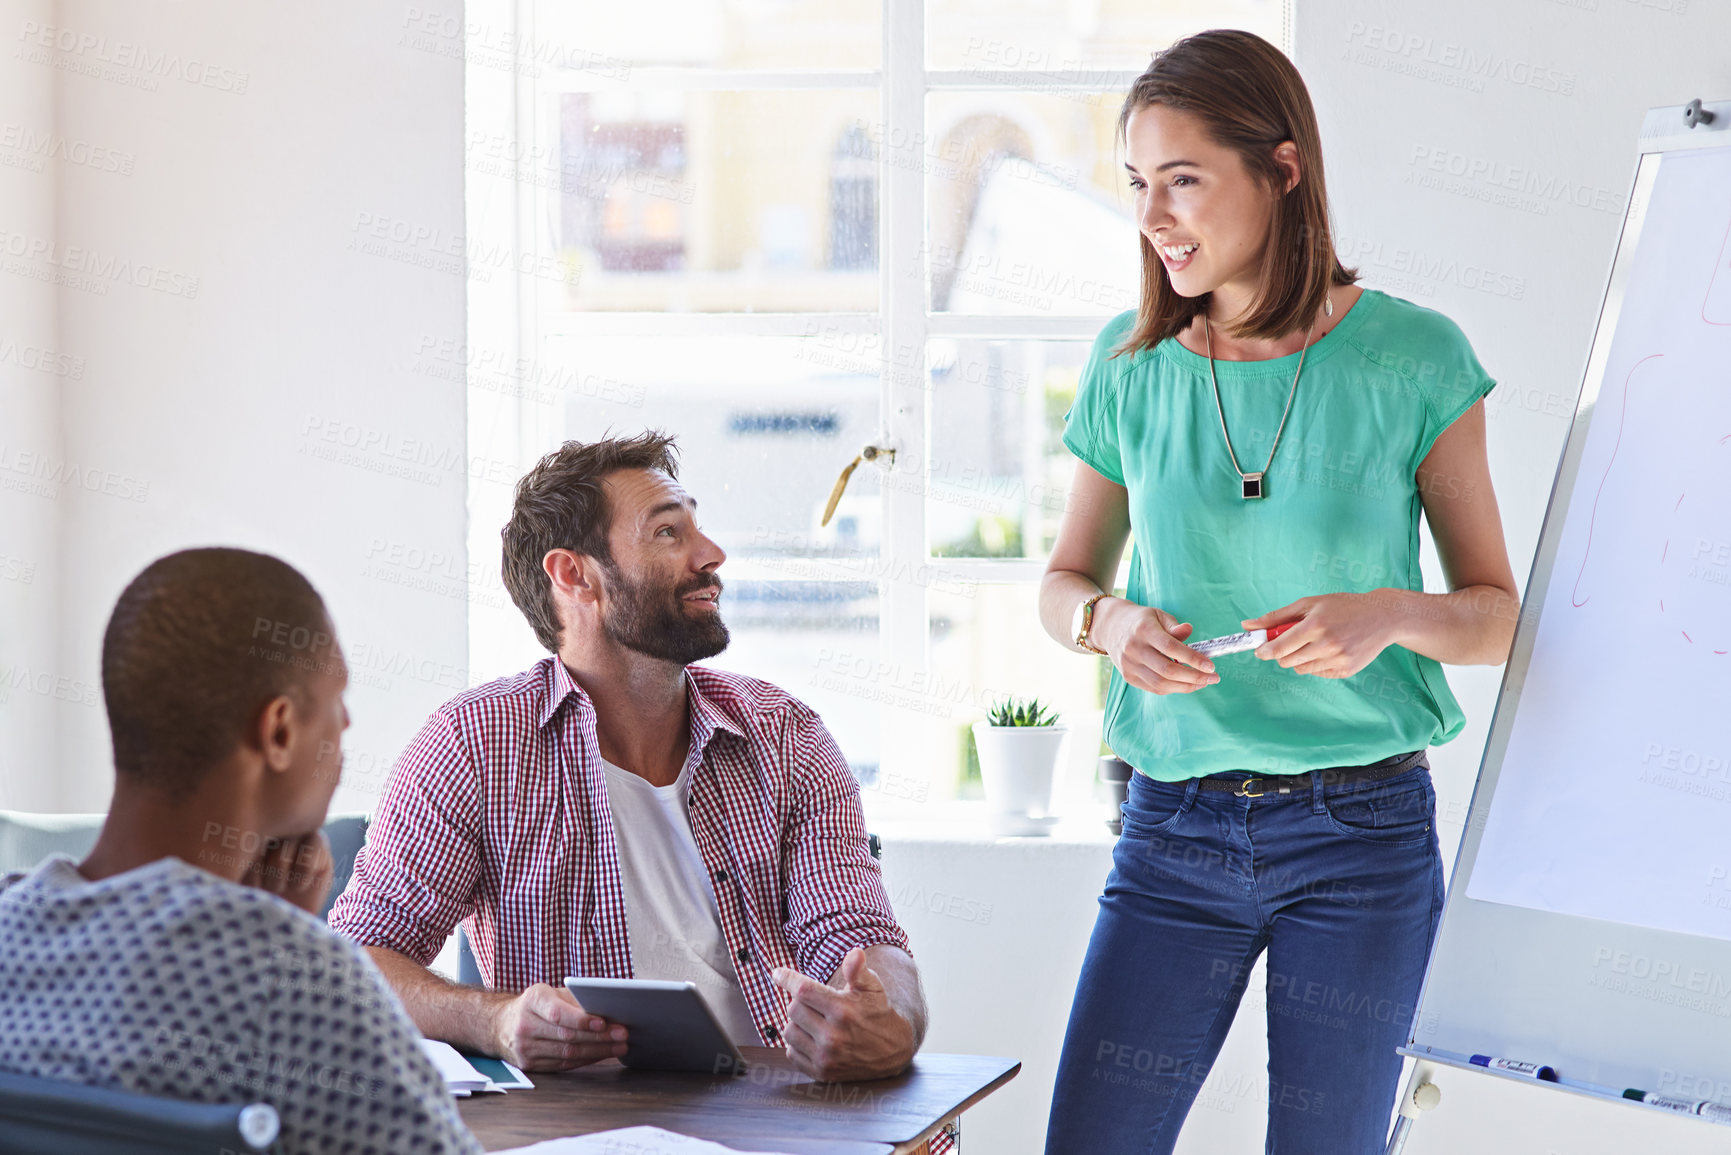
(509, 312)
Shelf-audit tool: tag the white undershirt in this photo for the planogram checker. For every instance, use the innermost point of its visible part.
(670, 912)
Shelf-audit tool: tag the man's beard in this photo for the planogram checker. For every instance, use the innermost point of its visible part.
(653, 620)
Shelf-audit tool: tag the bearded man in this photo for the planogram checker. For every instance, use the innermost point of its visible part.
(618, 812)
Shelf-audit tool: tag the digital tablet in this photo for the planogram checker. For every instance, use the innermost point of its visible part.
(671, 1027)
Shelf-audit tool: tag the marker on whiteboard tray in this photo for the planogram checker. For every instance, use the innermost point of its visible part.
(1238, 643)
(1718, 1113)
(1515, 1067)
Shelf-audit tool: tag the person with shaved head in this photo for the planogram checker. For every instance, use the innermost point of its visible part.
(184, 957)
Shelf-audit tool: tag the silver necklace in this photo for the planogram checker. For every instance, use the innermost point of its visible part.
(1250, 484)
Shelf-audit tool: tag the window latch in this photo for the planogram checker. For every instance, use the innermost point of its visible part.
(869, 453)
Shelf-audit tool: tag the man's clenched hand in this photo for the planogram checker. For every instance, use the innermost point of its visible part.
(846, 1029)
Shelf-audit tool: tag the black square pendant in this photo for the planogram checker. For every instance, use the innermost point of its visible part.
(1252, 485)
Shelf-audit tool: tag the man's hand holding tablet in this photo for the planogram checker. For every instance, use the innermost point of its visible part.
(546, 1029)
(847, 1029)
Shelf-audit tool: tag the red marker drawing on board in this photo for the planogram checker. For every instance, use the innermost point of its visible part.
(1238, 643)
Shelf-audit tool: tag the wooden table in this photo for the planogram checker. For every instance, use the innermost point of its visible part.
(771, 1107)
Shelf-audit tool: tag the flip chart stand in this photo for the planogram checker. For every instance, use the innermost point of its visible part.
(1674, 129)
(1420, 1095)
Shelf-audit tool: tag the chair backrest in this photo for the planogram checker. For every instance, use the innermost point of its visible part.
(26, 839)
(468, 970)
(347, 834)
(49, 1117)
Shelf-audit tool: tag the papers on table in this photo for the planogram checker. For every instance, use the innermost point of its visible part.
(464, 1078)
(629, 1141)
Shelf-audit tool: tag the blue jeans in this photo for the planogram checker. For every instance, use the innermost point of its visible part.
(1341, 884)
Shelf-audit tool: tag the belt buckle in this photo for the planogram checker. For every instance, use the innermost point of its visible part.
(1243, 790)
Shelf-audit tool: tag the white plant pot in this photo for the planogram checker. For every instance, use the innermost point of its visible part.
(1017, 768)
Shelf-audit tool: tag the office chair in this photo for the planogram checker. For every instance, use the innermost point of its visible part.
(347, 834)
(49, 1117)
(26, 839)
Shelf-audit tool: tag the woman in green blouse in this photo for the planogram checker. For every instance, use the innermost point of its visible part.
(1270, 432)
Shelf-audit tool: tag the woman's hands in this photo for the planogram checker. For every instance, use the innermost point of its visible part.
(1337, 635)
(1147, 646)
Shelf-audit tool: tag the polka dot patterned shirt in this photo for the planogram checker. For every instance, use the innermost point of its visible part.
(167, 980)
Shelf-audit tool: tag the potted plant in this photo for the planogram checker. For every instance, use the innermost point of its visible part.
(1019, 745)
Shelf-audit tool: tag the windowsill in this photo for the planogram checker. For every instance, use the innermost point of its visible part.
(968, 822)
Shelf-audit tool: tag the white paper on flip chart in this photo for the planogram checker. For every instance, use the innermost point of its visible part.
(1614, 796)
(628, 1141)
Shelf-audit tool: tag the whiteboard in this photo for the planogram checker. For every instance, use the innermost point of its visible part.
(1588, 924)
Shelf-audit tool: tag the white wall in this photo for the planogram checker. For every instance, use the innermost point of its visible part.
(261, 151)
(1523, 276)
(32, 379)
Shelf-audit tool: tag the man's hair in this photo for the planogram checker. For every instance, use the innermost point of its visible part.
(195, 647)
(561, 504)
(1249, 98)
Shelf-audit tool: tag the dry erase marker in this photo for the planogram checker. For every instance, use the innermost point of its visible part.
(1516, 1067)
(1238, 643)
(1700, 1107)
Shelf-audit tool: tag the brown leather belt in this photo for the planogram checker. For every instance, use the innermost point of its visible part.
(1256, 786)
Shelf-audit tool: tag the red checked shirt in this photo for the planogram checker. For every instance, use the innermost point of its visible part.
(496, 815)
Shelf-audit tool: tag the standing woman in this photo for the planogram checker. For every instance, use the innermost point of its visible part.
(1270, 433)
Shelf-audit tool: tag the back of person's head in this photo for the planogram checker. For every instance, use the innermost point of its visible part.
(561, 504)
(1249, 98)
(198, 644)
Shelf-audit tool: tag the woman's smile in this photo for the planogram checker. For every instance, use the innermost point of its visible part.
(1177, 256)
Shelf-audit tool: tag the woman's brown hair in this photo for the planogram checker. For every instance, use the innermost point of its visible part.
(1249, 98)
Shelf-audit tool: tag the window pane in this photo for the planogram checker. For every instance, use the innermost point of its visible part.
(999, 477)
(765, 426)
(673, 201)
(1040, 36)
(784, 632)
(758, 34)
(1027, 208)
(987, 643)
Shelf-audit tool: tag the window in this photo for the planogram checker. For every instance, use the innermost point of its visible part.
(787, 230)
(853, 202)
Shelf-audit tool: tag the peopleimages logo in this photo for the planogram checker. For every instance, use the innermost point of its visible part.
(42, 476)
(99, 267)
(19, 678)
(1421, 270)
(28, 356)
(1471, 65)
(1544, 187)
(43, 146)
(84, 50)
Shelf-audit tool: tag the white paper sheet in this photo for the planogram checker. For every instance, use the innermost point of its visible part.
(459, 1076)
(1614, 796)
(628, 1141)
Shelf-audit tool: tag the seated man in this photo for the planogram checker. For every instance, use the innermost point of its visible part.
(618, 812)
(183, 958)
